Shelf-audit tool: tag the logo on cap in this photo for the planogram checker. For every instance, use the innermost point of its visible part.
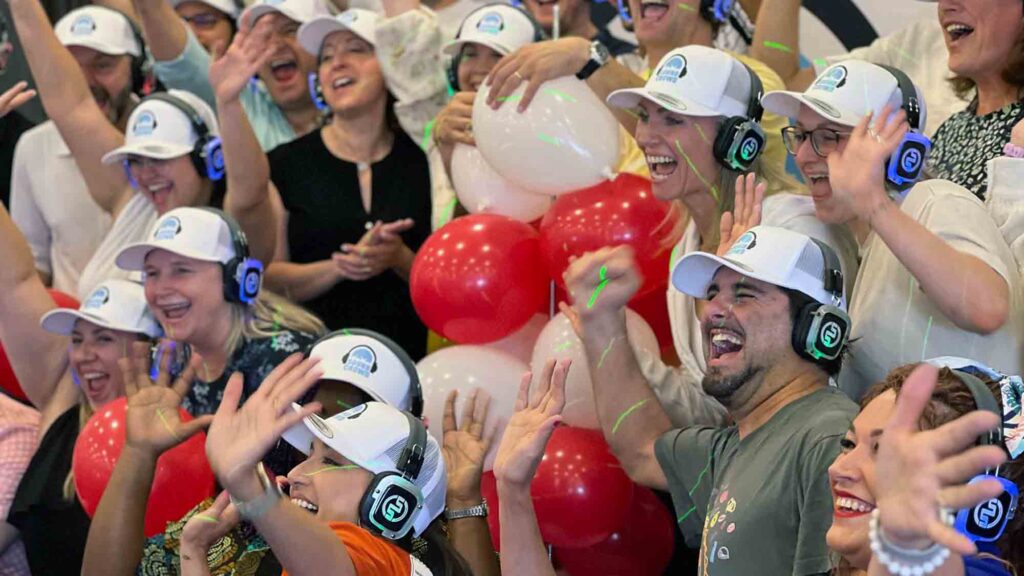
(168, 229)
(348, 17)
(98, 298)
(745, 242)
(831, 79)
(491, 23)
(320, 425)
(83, 26)
(749, 148)
(145, 124)
(361, 360)
(395, 508)
(672, 70)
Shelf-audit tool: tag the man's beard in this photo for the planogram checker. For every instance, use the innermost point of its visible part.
(723, 387)
(116, 106)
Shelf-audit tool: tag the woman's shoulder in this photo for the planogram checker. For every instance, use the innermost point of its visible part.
(300, 146)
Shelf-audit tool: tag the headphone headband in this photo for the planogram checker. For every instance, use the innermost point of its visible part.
(238, 239)
(197, 121)
(832, 275)
(410, 462)
(910, 103)
(755, 110)
(983, 400)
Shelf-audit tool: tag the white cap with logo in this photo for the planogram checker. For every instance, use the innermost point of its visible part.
(500, 27)
(371, 363)
(300, 11)
(844, 93)
(160, 130)
(773, 255)
(102, 29)
(695, 81)
(373, 436)
(190, 232)
(362, 23)
(114, 304)
(229, 7)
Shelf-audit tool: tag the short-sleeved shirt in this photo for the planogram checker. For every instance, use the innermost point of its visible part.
(965, 143)
(325, 210)
(759, 504)
(19, 436)
(895, 322)
(373, 556)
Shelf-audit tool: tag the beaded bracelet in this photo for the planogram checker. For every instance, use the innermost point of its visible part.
(904, 561)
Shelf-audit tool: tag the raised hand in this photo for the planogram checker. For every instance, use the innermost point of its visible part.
(239, 437)
(857, 173)
(529, 429)
(535, 64)
(15, 96)
(602, 282)
(153, 424)
(207, 527)
(455, 122)
(380, 249)
(231, 69)
(919, 472)
(465, 447)
(746, 213)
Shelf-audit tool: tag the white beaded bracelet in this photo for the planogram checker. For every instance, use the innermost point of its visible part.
(903, 561)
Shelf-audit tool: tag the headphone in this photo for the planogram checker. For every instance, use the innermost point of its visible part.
(987, 521)
(453, 66)
(907, 163)
(820, 331)
(243, 275)
(714, 11)
(415, 389)
(207, 154)
(316, 92)
(392, 502)
(741, 139)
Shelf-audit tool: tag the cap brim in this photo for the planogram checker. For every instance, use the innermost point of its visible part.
(787, 104)
(252, 14)
(631, 97)
(694, 272)
(62, 321)
(301, 436)
(313, 33)
(453, 47)
(155, 150)
(133, 257)
(101, 47)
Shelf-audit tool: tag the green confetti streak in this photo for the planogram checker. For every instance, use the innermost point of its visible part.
(206, 518)
(927, 333)
(702, 135)
(777, 46)
(329, 468)
(694, 489)
(686, 7)
(346, 332)
(561, 96)
(627, 412)
(564, 347)
(512, 98)
(426, 134)
(602, 273)
(607, 349)
(820, 63)
(160, 414)
(549, 139)
(708, 185)
(344, 405)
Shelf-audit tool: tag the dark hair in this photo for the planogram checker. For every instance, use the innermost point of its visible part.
(1013, 72)
(797, 301)
(433, 548)
(950, 400)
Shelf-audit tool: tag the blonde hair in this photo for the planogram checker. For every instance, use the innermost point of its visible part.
(270, 315)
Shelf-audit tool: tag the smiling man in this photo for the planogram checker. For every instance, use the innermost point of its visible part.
(754, 496)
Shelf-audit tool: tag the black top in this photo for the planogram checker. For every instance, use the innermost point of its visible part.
(12, 127)
(53, 529)
(321, 193)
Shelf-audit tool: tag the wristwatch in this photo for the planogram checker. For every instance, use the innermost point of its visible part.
(258, 506)
(599, 56)
(480, 510)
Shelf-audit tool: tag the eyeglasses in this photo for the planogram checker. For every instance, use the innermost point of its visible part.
(204, 20)
(824, 141)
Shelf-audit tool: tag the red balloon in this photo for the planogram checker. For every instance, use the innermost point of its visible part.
(183, 476)
(622, 211)
(8, 381)
(653, 308)
(580, 492)
(642, 547)
(478, 278)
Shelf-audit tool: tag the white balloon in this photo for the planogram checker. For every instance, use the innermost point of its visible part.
(482, 190)
(464, 368)
(559, 341)
(565, 140)
(520, 343)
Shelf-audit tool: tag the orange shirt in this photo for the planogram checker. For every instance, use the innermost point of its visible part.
(371, 555)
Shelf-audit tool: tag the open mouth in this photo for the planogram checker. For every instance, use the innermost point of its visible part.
(724, 344)
(175, 311)
(848, 506)
(306, 505)
(661, 167)
(160, 192)
(653, 10)
(94, 383)
(546, 3)
(284, 69)
(958, 31)
(343, 82)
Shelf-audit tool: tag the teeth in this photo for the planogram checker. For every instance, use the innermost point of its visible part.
(93, 375)
(280, 63)
(721, 337)
(660, 159)
(952, 28)
(852, 504)
(305, 504)
(343, 82)
(656, 2)
(157, 187)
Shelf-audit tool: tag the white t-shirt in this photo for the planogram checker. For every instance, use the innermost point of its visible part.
(132, 225)
(1005, 202)
(919, 50)
(679, 389)
(895, 323)
(51, 205)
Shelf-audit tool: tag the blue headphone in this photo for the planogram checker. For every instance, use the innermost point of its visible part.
(714, 11)
(207, 155)
(243, 275)
(907, 163)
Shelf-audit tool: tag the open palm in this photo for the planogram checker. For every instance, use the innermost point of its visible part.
(529, 429)
(233, 68)
(465, 447)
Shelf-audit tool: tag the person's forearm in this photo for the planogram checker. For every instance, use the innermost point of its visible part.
(522, 548)
(609, 78)
(471, 537)
(630, 415)
(165, 31)
(405, 260)
(248, 174)
(116, 538)
(393, 8)
(193, 560)
(777, 42)
(302, 282)
(966, 289)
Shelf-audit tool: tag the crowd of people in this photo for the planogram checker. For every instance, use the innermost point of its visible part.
(235, 194)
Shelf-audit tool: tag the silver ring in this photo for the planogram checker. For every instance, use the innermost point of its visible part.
(518, 75)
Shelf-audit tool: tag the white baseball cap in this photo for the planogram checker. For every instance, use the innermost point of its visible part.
(693, 80)
(844, 93)
(777, 256)
(301, 11)
(500, 27)
(373, 436)
(198, 233)
(362, 23)
(160, 130)
(370, 362)
(102, 29)
(226, 6)
(114, 304)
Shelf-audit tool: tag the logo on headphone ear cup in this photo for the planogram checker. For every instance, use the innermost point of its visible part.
(739, 143)
(249, 277)
(987, 521)
(908, 162)
(820, 332)
(212, 155)
(390, 505)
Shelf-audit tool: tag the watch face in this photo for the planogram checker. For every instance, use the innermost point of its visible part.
(601, 52)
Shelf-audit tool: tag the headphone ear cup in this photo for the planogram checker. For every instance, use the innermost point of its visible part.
(390, 505)
(212, 155)
(907, 163)
(739, 143)
(316, 91)
(820, 332)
